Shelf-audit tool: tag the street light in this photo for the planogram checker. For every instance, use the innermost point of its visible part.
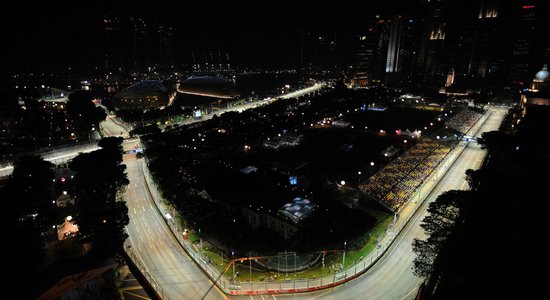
(233, 262)
(250, 265)
(344, 256)
(200, 240)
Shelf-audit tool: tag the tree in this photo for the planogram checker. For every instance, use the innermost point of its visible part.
(99, 180)
(29, 192)
(473, 178)
(439, 225)
(496, 142)
(31, 188)
(149, 129)
(83, 111)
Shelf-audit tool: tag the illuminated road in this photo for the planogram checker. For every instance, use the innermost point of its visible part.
(58, 156)
(255, 104)
(150, 244)
(158, 254)
(178, 277)
(151, 239)
(110, 127)
(392, 277)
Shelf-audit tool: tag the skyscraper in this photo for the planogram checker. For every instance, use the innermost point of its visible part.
(166, 45)
(369, 47)
(432, 38)
(137, 43)
(529, 40)
(392, 58)
(485, 53)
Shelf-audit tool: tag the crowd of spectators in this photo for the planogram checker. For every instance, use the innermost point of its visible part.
(463, 120)
(394, 184)
(398, 180)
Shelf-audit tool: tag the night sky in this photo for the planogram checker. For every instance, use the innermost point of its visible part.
(65, 35)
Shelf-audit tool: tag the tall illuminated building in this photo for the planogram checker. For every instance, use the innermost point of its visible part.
(392, 58)
(370, 50)
(529, 40)
(485, 53)
(433, 37)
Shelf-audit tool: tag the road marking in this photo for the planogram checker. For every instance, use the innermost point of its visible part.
(479, 160)
(143, 208)
(136, 295)
(409, 293)
(318, 296)
(131, 288)
(135, 212)
(141, 238)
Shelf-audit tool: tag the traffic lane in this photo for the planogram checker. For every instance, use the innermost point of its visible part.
(167, 263)
(113, 129)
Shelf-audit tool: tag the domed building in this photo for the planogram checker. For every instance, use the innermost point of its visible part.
(541, 80)
(539, 91)
(144, 95)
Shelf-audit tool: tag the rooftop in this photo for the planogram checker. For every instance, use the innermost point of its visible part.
(298, 209)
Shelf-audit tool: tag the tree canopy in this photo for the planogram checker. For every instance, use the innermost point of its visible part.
(439, 225)
(99, 180)
(29, 192)
(83, 111)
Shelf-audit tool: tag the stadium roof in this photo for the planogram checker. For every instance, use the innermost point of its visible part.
(298, 209)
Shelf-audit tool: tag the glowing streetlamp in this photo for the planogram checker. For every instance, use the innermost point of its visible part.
(233, 262)
(344, 256)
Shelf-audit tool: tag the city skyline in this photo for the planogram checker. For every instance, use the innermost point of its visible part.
(382, 150)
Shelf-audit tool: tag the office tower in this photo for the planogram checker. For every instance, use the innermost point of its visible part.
(529, 40)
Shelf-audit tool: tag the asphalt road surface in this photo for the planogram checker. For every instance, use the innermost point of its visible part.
(392, 277)
(151, 239)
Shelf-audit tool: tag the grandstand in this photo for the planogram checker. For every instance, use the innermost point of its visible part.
(393, 185)
(463, 120)
(397, 182)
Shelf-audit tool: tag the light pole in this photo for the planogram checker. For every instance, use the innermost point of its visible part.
(200, 240)
(344, 256)
(250, 265)
(286, 265)
(233, 262)
(294, 266)
(371, 169)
